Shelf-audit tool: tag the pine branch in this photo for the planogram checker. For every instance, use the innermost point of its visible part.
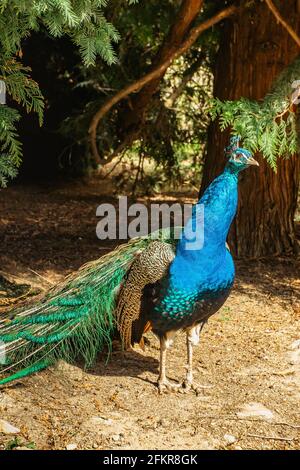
(10, 147)
(270, 126)
(21, 87)
(81, 20)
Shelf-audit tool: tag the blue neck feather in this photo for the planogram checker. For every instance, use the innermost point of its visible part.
(212, 216)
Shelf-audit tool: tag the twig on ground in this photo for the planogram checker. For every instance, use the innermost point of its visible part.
(294, 426)
(274, 438)
(236, 418)
(115, 165)
(42, 277)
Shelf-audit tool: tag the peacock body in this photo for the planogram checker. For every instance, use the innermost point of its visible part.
(146, 284)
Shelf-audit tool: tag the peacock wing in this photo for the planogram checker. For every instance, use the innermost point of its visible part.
(151, 265)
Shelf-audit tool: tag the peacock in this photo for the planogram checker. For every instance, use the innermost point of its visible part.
(156, 283)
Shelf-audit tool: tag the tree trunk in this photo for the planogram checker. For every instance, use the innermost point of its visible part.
(254, 49)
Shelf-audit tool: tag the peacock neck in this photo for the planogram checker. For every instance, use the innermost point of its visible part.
(214, 212)
(213, 215)
(231, 170)
(219, 204)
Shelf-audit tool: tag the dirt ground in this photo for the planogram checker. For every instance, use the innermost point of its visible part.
(247, 365)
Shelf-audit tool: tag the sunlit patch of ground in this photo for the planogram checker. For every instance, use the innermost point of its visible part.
(248, 362)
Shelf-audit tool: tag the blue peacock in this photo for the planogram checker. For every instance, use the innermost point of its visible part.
(159, 284)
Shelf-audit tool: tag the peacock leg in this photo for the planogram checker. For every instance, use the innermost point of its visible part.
(192, 339)
(189, 373)
(163, 383)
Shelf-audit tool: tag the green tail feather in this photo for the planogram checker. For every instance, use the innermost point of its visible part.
(74, 319)
(27, 371)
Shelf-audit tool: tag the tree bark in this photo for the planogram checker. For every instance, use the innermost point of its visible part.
(254, 49)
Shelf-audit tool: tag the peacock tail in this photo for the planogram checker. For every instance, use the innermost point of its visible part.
(74, 319)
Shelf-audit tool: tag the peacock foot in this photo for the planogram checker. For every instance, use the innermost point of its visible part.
(165, 386)
(188, 386)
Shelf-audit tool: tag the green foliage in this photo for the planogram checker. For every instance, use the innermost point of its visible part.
(21, 87)
(269, 126)
(17, 442)
(83, 21)
(10, 147)
(173, 136)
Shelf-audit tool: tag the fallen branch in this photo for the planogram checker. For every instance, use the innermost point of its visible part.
(114, 166)
(273, 438)
(294, 426)
(281, 20)
(42, 277)
(251, 420)
(140, 83)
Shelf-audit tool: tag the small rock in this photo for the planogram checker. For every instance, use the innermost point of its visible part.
(71, 446)
(96, 420)
(7, 428)
(69, 370)
(163, 422)
(229, 438)
(238, 448)
(295, 344)
(294, 357)
(255, 410)
(116, 437)
(6, 401)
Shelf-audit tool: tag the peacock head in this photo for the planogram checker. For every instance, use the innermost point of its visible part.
(238, 158)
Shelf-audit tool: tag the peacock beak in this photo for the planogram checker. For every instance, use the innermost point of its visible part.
(252, 161)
